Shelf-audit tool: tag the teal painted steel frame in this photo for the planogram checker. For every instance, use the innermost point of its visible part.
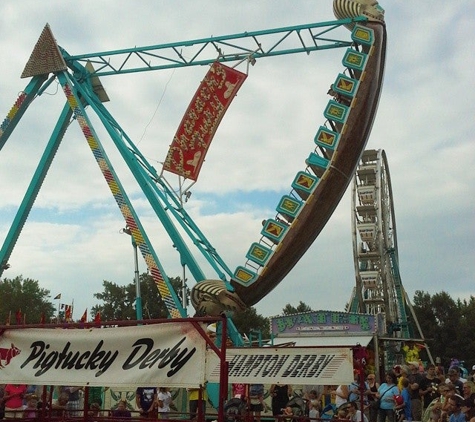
(170, 55)
(34, 186)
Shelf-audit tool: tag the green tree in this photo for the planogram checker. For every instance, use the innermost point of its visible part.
(24, 296)
(252, 324)
(445, 323)
(119, 301)
(301, 307)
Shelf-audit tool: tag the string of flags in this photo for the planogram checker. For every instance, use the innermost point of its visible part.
(65, 314)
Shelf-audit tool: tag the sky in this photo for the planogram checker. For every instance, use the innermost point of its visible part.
(72, 240)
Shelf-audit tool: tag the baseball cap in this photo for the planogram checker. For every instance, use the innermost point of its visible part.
(473, 368)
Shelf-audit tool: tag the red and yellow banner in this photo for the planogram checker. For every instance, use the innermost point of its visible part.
(200, 122)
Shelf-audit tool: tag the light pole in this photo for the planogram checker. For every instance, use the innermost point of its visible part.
(138, 297)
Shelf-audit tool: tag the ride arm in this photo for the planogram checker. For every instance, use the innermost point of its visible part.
(204, 51)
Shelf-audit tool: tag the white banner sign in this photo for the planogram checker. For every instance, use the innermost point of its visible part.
(171, 354)
(288, 365)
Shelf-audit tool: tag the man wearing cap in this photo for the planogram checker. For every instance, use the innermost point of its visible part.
(454, 379)
(415, 379)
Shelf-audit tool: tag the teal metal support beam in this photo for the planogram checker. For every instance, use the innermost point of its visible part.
(227, 48)
(131, 218)
(21, 104)
(34, 187)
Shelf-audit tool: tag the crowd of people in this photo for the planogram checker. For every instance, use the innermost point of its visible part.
(407, 393)
(25, 402)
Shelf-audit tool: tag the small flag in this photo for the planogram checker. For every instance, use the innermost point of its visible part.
(84, 316)
(67, 313)
(19, 317)
(42, 318)
(57, 297)
(97, 318)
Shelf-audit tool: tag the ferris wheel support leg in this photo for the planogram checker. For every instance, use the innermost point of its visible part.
(416, 321)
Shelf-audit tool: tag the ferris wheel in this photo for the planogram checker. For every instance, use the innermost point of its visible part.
(378, 289)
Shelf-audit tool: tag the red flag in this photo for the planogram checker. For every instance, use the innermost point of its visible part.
(97, 318)
(42, 318)
(18, 316)
(84, 316)
(67, 313)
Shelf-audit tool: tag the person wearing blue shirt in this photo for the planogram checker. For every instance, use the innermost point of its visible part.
(387, 391)
(455, 411)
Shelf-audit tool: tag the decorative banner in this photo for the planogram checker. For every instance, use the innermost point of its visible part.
(171, 354)
(287, 365)
(317, 323)
(200, 122)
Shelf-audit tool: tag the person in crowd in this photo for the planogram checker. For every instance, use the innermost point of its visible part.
(59, 406)
(313, 404)
(31, 409)
(372, 397)
(455, 409)
(468, 390)
(387, 391)
(471, 375)
(145, 399)
(121, 411)
(164, 402)
(415, 379)
(197, 398)
(468, 409)
(312, 392)
(13, 399)
(454, 379)
(433, 412)
(287, 414)
(354, 391)
(354, 414)
(280, 394)
(341, 395)
(429, 387)
(94, 412)
(95, 395)
(403, 374)
(74, 400)
(31, 390)
(256, 400)
(403, 407)
(314, 409)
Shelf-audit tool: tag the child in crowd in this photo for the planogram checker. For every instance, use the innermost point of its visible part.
(31, 409)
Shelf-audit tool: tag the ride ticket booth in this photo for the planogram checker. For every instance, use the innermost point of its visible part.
(330, 329)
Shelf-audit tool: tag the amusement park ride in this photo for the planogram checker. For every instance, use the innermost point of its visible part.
(334, 155)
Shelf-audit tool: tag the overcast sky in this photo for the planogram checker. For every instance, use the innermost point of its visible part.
(425, 123)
